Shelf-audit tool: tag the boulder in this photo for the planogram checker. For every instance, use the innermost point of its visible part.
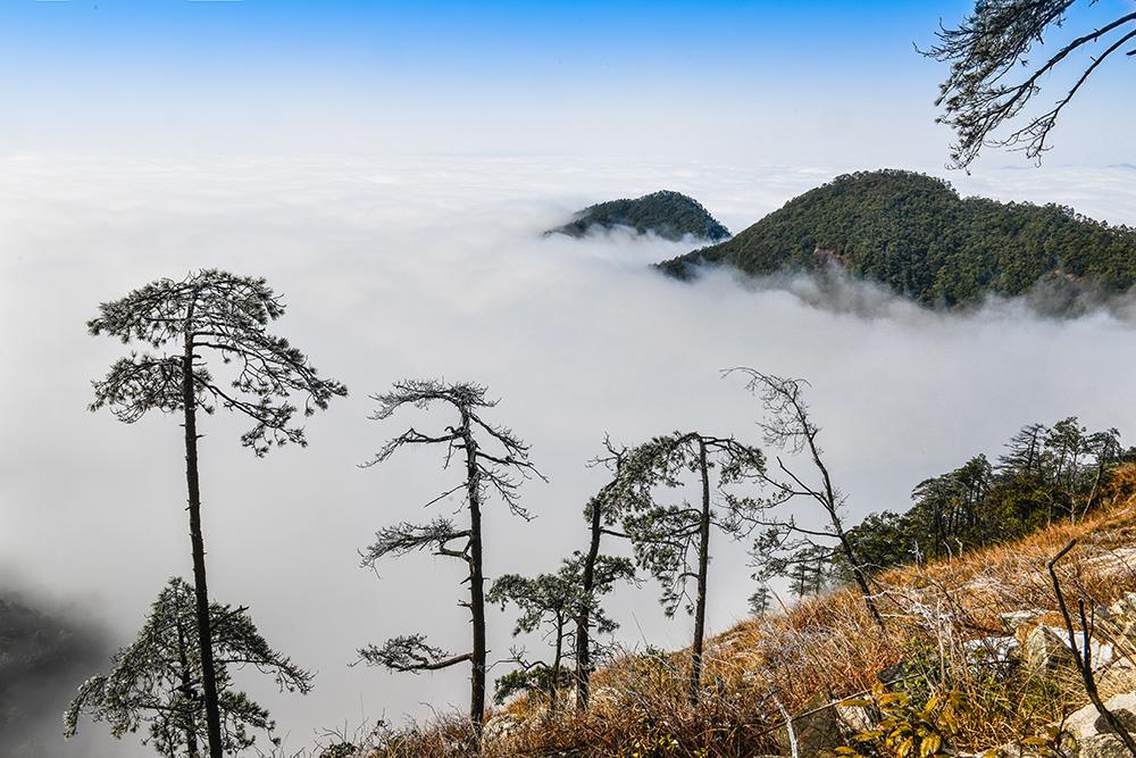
(340, 750)
(1046, 648)
(1084, 734)
(991, 651)
(1090, 733)
(1122, 614)
(893, 673)
(500, 726)
(817, 732)
(854, 718)
(1015, 620)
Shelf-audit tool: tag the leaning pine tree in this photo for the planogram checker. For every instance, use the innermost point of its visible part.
(494, 461)
(156, 681)
(209, 312)
(602, 513)
(785, 544)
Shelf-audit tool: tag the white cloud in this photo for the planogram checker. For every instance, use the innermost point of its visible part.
(436, 267)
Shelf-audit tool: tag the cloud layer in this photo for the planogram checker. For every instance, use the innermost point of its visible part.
(437, 268)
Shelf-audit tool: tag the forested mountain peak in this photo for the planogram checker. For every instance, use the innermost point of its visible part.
(915, 234)
(666, 213)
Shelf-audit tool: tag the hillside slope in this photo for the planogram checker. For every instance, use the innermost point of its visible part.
(670, 215)
(943, 620)
(916, 235)
(980, 631)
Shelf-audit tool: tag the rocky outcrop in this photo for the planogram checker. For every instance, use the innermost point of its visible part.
(1084, 734)
(1090, 735)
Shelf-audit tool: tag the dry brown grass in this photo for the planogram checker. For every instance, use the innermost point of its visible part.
(827, 648)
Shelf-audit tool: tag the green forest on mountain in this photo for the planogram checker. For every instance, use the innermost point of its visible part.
(916, 235)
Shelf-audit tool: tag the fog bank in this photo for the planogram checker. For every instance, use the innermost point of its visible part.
(437, 268)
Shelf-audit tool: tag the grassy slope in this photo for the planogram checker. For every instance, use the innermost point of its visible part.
(828, 648)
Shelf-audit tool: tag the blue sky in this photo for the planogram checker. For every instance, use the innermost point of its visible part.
(710, 79)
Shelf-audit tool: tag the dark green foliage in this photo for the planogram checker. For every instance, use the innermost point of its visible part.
(672, 540)
(557, 598)
(914, 234)
(212, 311)
(665, 537)
(184, 321)
(408, 653)
(601, 512)
(551, 604)
(996, 71)
(810, 571)
(1046, 474)
(532, 678)
(155, 682)
(670, 215)
(760, 600)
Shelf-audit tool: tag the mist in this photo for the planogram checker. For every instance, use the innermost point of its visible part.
(436, 267)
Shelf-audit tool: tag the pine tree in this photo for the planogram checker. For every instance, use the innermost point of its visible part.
(552, 603)
(218, 313)
(788, 425)
(602, 512)
(983, 92)
(672, 541)
(494, 461)
(156, 682)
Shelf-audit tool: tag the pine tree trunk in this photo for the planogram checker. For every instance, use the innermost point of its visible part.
(187, 690)
(554, 688)
(832, 506)
(861, 579)
(583, 621)
(703, 565)
(476, 587)
(201, 592)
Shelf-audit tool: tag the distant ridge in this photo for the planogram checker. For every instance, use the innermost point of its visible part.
(915, 234)
(43, 658)
(670, 215)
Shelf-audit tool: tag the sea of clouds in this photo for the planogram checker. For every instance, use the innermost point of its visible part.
(436, 267)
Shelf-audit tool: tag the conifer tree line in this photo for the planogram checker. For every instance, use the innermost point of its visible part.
(667, 505)
(1045, 474)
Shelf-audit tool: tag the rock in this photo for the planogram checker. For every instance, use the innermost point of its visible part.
(1084, 734)
(604, 696)
(1015, 620)
(500, 726)
(1122, 614)
(892, 673)
(817, 732)
(1091, 734)
(854, 718)
(339, 750)
(823, 729)
(1056, 743)
(1046, 648)
(991, 650)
